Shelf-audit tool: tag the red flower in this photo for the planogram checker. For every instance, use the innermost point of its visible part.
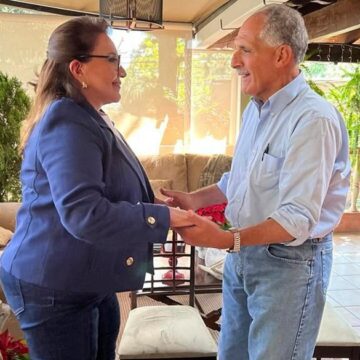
(12, 349)
(216, 213)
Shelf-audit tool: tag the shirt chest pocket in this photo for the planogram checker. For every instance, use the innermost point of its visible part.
(267, 172)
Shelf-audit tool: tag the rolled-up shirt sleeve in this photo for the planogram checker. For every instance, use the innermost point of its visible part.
(305, 176)
(222, 183)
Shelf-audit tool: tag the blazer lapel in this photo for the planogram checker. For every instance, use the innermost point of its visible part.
(123, 147)
(129, 156)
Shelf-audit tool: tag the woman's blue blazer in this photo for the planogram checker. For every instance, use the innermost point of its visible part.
(87, 221)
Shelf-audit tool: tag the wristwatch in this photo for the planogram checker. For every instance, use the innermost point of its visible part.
(237, 242)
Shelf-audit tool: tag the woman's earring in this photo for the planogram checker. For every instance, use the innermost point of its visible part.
(84, 85)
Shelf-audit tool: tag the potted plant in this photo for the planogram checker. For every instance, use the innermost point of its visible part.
(11, 349)
(14, 106)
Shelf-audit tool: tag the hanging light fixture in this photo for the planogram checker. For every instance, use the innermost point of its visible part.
(142, 15)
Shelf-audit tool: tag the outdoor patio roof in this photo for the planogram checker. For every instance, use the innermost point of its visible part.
(333, 25)
(183, 11)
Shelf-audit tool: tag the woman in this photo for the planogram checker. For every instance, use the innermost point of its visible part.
(88, 220)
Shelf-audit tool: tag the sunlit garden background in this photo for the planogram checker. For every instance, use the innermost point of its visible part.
(175, 99)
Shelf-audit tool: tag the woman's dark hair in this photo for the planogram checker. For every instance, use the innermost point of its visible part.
(68, 41)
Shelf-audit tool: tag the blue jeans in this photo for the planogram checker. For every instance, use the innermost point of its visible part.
(61, 325)
(273, 299)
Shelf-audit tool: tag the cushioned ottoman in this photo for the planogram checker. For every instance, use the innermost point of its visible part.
(337, 338)
(166, 332)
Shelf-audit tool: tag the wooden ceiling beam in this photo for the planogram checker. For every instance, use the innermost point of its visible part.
(346, 38)
(338, 18)
(227, 42)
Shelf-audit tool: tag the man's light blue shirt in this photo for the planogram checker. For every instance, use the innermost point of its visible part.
(291, 164)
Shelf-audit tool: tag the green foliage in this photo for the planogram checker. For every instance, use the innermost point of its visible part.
(145, 84)
(208, 69)
(316, 69)
(310, 71)
(15, 10)
(142, 78)
(347, 99)
(14, 106)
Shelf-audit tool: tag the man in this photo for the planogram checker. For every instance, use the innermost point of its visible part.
(286, 192)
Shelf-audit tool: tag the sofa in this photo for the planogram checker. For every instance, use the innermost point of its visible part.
(7, 220)
(184, 172)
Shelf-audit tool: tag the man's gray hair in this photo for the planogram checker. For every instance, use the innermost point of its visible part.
(284, 25)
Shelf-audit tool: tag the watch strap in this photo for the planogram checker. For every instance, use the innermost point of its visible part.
(237, 240)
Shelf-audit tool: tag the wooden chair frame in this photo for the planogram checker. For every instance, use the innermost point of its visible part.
(157, 290)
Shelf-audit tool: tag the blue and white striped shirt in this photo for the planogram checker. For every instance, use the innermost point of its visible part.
(291, 164)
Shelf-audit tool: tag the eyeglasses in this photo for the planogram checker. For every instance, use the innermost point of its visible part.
(112, 59)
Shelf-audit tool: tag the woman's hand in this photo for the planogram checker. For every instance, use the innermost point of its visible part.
(179, 218)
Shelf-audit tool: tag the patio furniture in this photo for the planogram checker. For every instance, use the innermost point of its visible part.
(176, 258)
(337, 338)
(170, 260)
(168, 332)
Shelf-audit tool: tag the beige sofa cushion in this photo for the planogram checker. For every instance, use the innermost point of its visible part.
(4, 315)
(204, 170)
(157, 184)
(5, 236)
(167, 167)
(214, 169)
(8, 212)
(195, 166)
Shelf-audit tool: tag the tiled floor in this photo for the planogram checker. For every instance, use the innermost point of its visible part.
(344, 288)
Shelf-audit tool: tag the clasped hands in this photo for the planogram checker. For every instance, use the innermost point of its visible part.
(194, 229)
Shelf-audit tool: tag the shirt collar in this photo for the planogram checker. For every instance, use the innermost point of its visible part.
(277, 102)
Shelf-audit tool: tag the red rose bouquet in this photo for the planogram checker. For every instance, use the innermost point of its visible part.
(215, 213)
(11, 349)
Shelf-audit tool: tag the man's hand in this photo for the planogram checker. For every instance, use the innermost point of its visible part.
(179, 199)
(159, 201)
(205, 233)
